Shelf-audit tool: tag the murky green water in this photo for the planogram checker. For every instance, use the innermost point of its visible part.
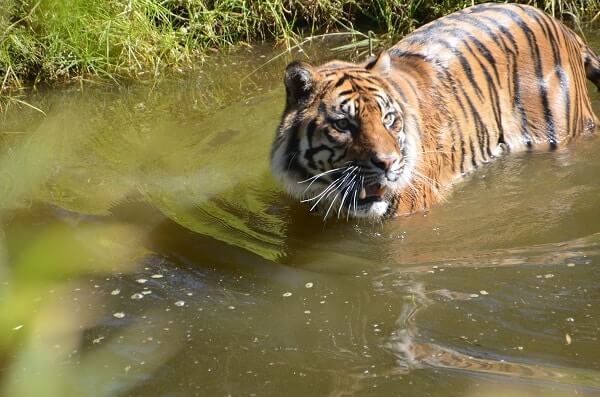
(147, 252)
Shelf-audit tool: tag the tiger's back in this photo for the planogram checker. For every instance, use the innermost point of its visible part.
(468, 87)
(503, 77)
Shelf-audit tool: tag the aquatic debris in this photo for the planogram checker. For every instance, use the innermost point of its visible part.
(18, 327)
(146, 292)
(141, 280)
(137, 296)
(286, 294)
(119, 315)
(115, 292)
(483, 292)
(157, 276)
(179, 303)
(568, 339)
(570, 265)
(231, 307)
(308, 285)
(549, 275)
(474, 295)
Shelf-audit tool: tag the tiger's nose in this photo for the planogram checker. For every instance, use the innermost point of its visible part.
(384, 163)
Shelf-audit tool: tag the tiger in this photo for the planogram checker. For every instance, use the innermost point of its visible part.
(390, 136)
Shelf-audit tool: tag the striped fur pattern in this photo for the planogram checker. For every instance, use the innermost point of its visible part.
(389, 136)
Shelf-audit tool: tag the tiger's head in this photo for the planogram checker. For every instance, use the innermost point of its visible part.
(343, 144)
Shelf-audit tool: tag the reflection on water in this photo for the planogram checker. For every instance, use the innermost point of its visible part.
(147, 251)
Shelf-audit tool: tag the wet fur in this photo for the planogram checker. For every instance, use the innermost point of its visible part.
(469, 87)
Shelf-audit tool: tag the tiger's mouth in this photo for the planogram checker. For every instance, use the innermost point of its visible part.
(371, 193)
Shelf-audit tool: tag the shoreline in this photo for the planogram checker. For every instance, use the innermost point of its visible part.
(50, 42)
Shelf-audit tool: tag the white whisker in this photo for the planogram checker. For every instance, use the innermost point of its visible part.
(427, 181)
(321, 174)
(331, 205)
(343, 188)
(348, 189)
(331, 188)
(354, 202)
(324, 191)
(359, 187)
(346, 170)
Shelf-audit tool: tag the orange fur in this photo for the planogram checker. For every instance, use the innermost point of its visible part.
(461, 91)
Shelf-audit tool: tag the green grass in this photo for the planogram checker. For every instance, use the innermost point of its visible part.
(48, 41)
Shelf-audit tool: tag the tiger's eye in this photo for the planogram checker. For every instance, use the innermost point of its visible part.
(389, 119)
(342, 125)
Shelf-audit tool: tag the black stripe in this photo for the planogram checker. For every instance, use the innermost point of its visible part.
(342, 80)
(310, 132)
(398, 90)
(465, 65)
(494, 98)
(468, 19)
(505, 32)
(336, 69)
(341, 156)
(453, 85)
(346, 92)
(542, 22)
(293, 148)
(428, 36)
(310, 154)
(480, 128)
(385, 100)
(535, 54)
(396, 52)
(563, 78)
(482, 48)
(345, 101)
(453, 149)
(473, 161)
(412, 87)
(368, 80)
(462, 151)
(330, 138)
(467, 37)
(516, 86)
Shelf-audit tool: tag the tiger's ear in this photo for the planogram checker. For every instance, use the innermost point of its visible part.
(382, 64)
(299, 81)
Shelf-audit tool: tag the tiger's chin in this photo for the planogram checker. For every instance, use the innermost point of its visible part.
(372, 210)
(371, 202)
